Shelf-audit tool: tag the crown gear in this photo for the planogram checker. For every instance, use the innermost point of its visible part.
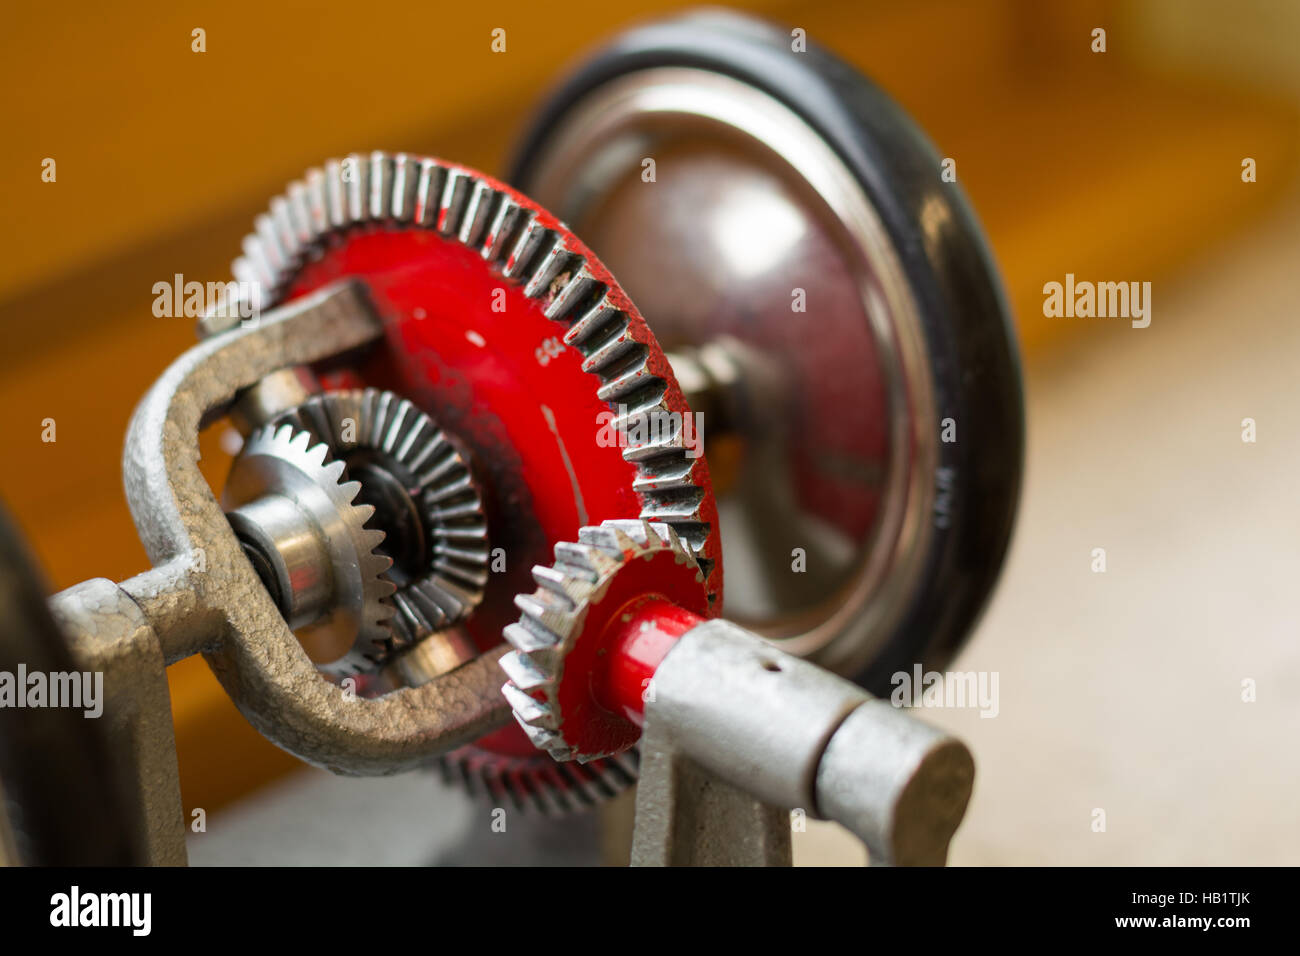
(298, 521)
(531, 250)
(529, 784)
(424, 496)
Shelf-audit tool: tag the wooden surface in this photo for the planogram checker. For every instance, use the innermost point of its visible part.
(1076, 162)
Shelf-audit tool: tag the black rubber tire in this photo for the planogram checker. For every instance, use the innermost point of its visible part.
(972, 348)
(64, 803)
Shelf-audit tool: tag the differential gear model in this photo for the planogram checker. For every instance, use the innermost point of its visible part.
(504, 328)
(516, 340)
(429, 527)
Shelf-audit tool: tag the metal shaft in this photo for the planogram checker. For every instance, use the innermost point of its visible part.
(725, 706)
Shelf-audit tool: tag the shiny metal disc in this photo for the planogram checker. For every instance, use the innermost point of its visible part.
(746, 231)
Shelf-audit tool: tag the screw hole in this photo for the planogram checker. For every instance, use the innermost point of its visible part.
(772, 666)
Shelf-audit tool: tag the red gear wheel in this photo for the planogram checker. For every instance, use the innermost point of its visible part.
(505, 328)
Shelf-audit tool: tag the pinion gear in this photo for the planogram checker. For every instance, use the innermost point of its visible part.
(283, 468)
(428, 502)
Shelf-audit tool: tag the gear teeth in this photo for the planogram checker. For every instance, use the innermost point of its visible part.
(478, 213)
(562, 584)
(298, 208)
(654, 435)
(695, 533)
(451, 489)
(357, 187)
(529, 636)
(270, 247)
(336, 200)
(295, 448)
(409, 620)
(591, 560)
(255, 261)
(470, 557)
(428, 193)
(532, 236)
(671, 538)
(667, 474)
(630, 377)
(427, 471)
(612, 343)
(501, 227)
(580, 286)
(351, 488)
(467, 532)
(522, 672)
(381, 186)
(631, 536)
(375, 537)
(421, 441)
(544, 739)
(638, 531)
(429, 600)
(456, 574)
(590, 787)
(285, 234)
(628, 762)
(552, 270)
(546, 797)
(593, 536)
(599, 316)
(406, 177)
(529, 711)
(317, 203)
(676, 507)
(246, 272)
(393, 430)
(450, 597)
(455, 191)
(552, 789)
(610, 539)
(547, 615)
(386, 589)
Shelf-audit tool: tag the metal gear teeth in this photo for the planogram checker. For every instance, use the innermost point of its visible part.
(300, 449)
(404, 191)
(438, 479)
(553, 617)
(554, 789)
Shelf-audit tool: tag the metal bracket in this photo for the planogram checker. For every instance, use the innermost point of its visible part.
(204, 596)
(738, 733)
(108, 634)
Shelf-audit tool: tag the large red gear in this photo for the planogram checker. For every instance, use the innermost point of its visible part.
(470, 347)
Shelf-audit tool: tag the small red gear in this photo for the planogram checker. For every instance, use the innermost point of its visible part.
(603, 617)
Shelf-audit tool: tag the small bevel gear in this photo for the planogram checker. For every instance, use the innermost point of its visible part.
(593, 583)
(298, 519)
(425, 498)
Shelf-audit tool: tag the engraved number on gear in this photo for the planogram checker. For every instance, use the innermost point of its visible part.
(549, 349)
